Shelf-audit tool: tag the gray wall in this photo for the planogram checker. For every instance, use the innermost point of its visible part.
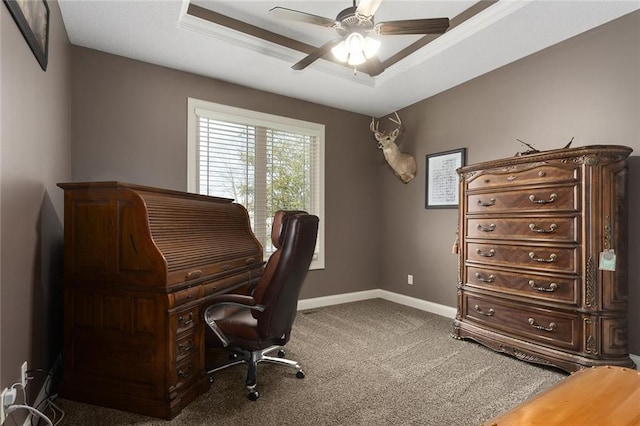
(587, 87)
(35, 154)
(130, 124)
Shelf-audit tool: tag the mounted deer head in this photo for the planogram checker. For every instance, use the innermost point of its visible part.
(404, 165)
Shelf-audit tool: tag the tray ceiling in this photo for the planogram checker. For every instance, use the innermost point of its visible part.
(483, 36)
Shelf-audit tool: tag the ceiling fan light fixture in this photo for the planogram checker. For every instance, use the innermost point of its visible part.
(355, 49)
(371, 47)
(356, 58)
(340, 52)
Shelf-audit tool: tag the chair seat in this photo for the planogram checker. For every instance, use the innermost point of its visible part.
(240, 328)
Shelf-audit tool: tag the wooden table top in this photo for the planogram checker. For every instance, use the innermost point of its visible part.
(597, 396)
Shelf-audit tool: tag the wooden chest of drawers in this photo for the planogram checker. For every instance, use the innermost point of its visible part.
(532, 230)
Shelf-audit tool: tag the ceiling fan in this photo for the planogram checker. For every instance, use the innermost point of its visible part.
(354, 25)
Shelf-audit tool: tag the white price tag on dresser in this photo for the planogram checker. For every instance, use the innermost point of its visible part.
(608, 260)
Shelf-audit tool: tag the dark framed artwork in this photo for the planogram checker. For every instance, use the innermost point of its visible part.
(32, 17)
(441, 190)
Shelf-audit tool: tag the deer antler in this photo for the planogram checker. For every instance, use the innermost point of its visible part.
(397, 120)
(371, 126)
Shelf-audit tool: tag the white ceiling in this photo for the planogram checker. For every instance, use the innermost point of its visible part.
(160, 32)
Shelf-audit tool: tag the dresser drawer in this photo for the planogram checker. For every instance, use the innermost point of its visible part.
(516, 175)
(563, 198)
(556, 289)
(559, 229)
(560, 259)
(545, 326)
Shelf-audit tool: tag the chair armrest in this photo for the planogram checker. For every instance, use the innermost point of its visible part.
(239, 300)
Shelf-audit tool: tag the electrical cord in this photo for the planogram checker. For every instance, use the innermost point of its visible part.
(48, 400)
(31, 409)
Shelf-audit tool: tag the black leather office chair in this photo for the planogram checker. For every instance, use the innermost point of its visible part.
(251, 326)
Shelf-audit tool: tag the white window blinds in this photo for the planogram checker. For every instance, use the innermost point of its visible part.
(263, 165)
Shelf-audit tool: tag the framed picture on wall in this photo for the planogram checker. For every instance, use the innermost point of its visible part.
(32, 17)
(442, 190)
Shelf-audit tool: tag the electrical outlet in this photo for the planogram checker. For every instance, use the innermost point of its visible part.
(2, 414)
(7, 399)
(410, 279)
(23, 374)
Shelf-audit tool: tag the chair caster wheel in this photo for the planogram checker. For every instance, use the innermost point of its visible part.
(210, 379)
(233, 356)
(253, 395)
(281, 353)
(300, 374)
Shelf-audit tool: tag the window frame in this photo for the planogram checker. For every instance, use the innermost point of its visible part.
(223, 112)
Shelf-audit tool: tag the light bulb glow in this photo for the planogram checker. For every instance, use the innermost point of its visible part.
(355, 49)
(340, 52)
(356, 58)
(371, 46)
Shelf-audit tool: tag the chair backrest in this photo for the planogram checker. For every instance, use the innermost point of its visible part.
(294, 235)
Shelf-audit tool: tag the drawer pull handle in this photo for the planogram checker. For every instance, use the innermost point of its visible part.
(185, 374)
(551, 199)
(185, 347)
(552, 228)
(552, 258)
(511, 178)
(183, 322)
(489, 203)
(552, 325)
(490, 253)
(489, 228)
(194, 274)
(552, 287)
(542, 174)
(489, 279)
(489, 313)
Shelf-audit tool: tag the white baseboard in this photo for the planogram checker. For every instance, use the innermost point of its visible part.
(424, 305)
(337, 299)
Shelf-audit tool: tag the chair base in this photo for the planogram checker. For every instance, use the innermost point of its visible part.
(252, 358)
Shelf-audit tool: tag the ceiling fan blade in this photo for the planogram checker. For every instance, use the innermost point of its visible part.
(368, 7)
(295, 15)
(374, 66)
(315, 55)
(413, 26)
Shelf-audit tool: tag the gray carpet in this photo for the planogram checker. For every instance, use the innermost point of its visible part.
(372, 362)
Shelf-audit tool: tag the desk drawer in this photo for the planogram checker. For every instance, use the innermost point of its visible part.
(184, 371)
(186, 319)
(185, 346)
(220, 285)
(183, 296)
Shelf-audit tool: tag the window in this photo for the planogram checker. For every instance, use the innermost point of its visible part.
(262, 161)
